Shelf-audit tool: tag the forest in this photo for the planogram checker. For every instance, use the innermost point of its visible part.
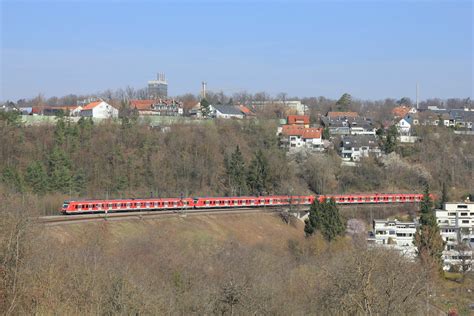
(66, 160)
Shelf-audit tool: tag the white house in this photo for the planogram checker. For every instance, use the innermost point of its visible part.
(355, 147)
(99, 109)
(298, 136)
(404, 125)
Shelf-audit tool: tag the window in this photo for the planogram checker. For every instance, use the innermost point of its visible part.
(451, 214)
(462, 206)
(465, 221)
(463, 214)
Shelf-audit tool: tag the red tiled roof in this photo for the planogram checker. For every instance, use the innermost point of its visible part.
(311, 133)
(92, 105)
(401, 111)
(245, 110)
(142, 104)
(298, 119)
(342, 114)
(304, 132)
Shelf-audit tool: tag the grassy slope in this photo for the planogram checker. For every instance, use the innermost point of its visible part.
(202, 230)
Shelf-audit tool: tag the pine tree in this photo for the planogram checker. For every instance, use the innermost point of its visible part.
(13, 179)
(60, 131)
(428, 239)
(444, 196)
(390, 142)
(79, 181)
(344, 102)
(326, 134)
(235, 170)
(332, 224)
(205, 108)
(36, 177)
(257, 178)
(325, 218)
(59, 171)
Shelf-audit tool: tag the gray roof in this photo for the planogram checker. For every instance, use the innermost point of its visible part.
(461, 115)
(357, 141)
(228, 109)
(349, 122)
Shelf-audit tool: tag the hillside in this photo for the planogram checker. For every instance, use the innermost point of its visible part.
(206, 232)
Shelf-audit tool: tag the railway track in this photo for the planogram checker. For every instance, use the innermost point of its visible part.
(72, 219)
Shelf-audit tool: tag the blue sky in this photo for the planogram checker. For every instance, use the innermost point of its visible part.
(371, 49)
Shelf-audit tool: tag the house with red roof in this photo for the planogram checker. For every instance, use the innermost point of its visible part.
(99, 109)
(402, 111)
(162, 107)
(296, 137)
(302, 120)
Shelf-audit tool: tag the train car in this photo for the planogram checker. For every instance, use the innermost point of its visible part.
(377, 198)
(251, 201)
(125, 205)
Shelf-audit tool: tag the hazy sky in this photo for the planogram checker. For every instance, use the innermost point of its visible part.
(371, 49)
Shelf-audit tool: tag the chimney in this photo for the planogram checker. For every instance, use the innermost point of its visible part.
(203, 90)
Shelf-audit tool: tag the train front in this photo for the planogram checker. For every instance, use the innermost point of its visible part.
(65, 206)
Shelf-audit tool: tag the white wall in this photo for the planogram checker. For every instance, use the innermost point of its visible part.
(104, 110)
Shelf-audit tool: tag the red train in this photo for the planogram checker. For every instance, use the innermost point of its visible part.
(157, 204)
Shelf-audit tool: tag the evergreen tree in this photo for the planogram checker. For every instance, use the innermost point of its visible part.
(36, 177)
(390, 142)
(79, 181)
(12, 118)
(59, 171)
(205, 108)
(60, 131)
(235, 170)
(444, 196)
(326, 134)
(428, 239)
(325, 218)
(344, 102)
(13, 179)
(257, 178)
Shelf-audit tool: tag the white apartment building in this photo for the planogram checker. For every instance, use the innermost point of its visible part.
(456, 223)
(396, 235)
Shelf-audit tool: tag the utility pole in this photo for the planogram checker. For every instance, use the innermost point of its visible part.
(417, 96)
